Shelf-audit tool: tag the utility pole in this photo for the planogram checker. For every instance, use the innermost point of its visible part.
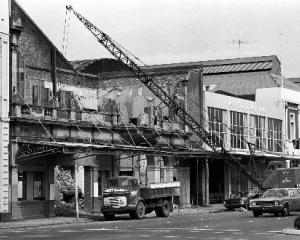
(76, 192)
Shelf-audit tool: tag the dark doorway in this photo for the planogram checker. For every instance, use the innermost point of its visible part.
(216, 181)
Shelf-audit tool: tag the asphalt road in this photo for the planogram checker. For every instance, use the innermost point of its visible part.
(223, 225)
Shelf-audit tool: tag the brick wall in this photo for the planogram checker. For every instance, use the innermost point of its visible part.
(193, 100)
(34, 60)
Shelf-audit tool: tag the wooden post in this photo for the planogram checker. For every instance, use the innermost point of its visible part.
(76, 193)
(197, 191)
(206, 182)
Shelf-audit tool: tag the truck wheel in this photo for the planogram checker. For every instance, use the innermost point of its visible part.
(109, 216)
(139, 211)
(256, 214)
(165, 209)
(285, 211)
(158, 212)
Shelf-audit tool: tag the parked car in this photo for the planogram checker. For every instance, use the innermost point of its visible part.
(276, 201)
(242, 199)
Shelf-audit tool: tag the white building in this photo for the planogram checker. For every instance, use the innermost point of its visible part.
(4, 108)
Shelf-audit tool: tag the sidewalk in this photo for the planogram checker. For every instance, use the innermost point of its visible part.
(96, 217)
(43, 222)
(291, 231)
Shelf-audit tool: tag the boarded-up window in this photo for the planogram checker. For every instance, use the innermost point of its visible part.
(64, 98)
(44, 95)
(35, 94)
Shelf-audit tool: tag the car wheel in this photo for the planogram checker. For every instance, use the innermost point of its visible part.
(256, 214)
(285, 211)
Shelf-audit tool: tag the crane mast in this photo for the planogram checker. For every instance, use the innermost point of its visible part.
(160, 93)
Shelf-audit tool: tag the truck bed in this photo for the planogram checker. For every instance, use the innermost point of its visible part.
(160, 190)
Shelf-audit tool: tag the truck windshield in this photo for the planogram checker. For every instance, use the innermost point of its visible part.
(275, 193)
(117, 183)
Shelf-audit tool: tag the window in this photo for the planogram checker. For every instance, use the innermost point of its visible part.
(38, 186)
(22, 185)
(239, 130)
(35, 95)
(258, 131)
(40, 95)
(274, 135)
(216, 119)
(292, 133)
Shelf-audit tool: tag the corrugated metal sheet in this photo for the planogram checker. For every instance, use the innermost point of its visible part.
(237, 67)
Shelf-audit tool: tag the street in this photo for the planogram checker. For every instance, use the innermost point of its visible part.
(224, 225)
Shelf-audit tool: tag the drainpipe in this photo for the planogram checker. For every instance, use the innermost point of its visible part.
(53, 70)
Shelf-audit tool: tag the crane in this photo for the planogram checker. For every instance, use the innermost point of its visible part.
(123, 56)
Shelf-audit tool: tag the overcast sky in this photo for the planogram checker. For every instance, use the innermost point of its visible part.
(169, 31)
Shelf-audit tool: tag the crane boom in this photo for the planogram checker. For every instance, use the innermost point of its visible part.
(159, 92)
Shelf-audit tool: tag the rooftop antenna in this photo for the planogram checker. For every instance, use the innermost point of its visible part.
(281, 57)
(239, 42)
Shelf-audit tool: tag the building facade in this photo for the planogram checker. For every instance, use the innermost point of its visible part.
(94, 114)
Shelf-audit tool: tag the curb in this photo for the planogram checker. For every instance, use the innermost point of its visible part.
(194, 211)
(86, 220)
(90, 219)
(290, 231)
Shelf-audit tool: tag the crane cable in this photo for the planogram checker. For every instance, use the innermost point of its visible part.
(66, 33)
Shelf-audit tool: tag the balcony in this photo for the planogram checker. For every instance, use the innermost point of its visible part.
(91, 126)
(63, 114)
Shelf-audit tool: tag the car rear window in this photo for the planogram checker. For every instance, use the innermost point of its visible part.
(275, 193)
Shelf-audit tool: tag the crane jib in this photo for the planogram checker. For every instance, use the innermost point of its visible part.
(201, 132)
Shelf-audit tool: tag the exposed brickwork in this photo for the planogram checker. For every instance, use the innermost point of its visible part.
(194, 102)
(34, 52)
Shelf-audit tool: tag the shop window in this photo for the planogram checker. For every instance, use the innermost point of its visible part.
(22, 185)
(274, 135)
(258, 131)
(216, 122)
(238, 129)
(38, 186)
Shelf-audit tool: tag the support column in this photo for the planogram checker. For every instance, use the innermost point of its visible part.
(227, 180)
(205, 183)
(88, 188)
(50, 192)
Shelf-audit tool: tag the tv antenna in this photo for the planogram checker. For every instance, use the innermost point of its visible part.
(240, 42)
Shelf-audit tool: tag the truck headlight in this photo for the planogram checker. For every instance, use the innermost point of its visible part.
(253, 203)
(276, 203)
(122, 201)
(106, 201)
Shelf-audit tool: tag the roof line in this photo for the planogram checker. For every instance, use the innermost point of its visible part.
(43, 34)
